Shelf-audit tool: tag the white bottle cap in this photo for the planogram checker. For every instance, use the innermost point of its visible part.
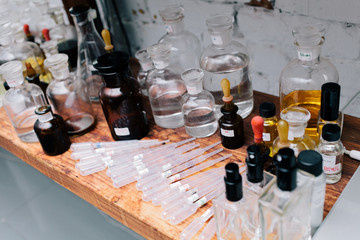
(12, 72)
(193, 79)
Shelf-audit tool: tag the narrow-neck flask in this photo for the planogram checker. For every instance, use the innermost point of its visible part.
(185, 46)
(68, 96)
(199, 106)
(121, 98)
(226, 58)
(20, 101)
(267, 111)
(166, 88)
(302, 78)
(146, 66)
(90, 47)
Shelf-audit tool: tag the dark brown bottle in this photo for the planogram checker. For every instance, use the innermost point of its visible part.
(121, 98)
(231, 124)
(51, 131)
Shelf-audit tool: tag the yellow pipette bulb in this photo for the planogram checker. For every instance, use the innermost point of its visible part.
(283, 130)
(225, 85)
(106, 36)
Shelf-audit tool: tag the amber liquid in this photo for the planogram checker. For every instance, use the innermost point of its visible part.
(309, 99)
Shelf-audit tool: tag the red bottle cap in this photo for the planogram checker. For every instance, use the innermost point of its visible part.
(26, 29)
(257, 124)
(45, 33)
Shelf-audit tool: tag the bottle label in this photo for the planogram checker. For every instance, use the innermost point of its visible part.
(305, 56)
(227, 133)
(329, 164)
(122, 131)
(217, 40)
(169, 28)
(266, 137)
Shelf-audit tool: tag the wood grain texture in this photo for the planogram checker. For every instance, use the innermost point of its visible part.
(125, 204)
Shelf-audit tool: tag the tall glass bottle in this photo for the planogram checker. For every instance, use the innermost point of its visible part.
(68, 96)
(199, 106)
(185, 46)
(267, 111)
(90, 47)
(20, 100)
(146, 66)
(302, 78)
(121, 98)
(166, 89)
(226, 58)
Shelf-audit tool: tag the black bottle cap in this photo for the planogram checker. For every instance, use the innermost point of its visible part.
(330, 101)
(311, 162)
(286, 169)
(113, 62)
(267, 109)
(233, 182)
(331, 132)
(226, 111)
(79, 10)
(6, 86)
(255, 166)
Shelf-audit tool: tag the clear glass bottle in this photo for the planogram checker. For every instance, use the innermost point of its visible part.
(185, 46)
(310, 169)
(329, 110)
(227, 206)
(284, 207)
(332, 152)
(20, 100)
(90, 47)
(146, 66)
(121, 98)
(297, 118)
(68, 96)
(226, 58)
(302, 78)
(51, 132)
(267, 111)
(199, 106)
(166, 89)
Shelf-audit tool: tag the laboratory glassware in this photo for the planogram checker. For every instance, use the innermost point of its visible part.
(267, 111)
(146, 66)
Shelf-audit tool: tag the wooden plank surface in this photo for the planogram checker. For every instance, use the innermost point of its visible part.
(125, 204)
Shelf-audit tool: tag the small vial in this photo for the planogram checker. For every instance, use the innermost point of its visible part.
(51, 131)
(267, 112)
(332, 151)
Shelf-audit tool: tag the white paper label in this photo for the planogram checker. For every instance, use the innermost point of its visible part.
(305, 56)
(266, 137)
(227, 133)
(217, 40)
(329, 164)
(122, 131)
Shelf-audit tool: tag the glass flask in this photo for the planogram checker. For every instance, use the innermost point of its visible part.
(51, 131)
(90, 47)
(199, 106)
(185, 46)
(68, 96)
(166, 89)
(121, 98)
(332, 152)
(297, 118)
(146, 66)
(267, 111)
(21, 100)
(302, 78)
(226, 58)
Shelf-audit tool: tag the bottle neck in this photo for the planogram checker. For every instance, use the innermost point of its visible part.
(61, 73)
(35, 79)
(296, 132)
(114, 80)
(161, 63)
(85, 27)
(229, 109)
(309, 55)
(174, 28)
(221, 38)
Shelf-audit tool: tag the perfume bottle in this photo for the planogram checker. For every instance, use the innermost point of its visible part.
(68, 96)
(267, 111)
(121, 98)
(146, 66)
(284, 207)
(332, 152)
(282, 140)
(226, 58)
(310, 169)
(302, 78)
(199, 106)
(227, 206)
(231, 124)
(51, 131)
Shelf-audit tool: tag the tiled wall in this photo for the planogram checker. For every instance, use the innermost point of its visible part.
(266, 33)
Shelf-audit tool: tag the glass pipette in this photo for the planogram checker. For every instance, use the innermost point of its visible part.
(196, 225)
(209, 230)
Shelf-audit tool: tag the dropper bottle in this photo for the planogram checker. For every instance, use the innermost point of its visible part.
(106, 37)
(257, 124)
(282, 140)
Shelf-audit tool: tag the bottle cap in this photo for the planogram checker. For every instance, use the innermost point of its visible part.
(159, 54)
(297, 118)
(172, 13)
(283, 130)
(144, 59)
(58, 65)
(6, 36)
(225, 86)
(44, 113)
(193, 79)
(106, 36)
(331, 132)
(267, 109)
(46, 34)
(330, 101)
(12, 72)
(254, 162)
(309, 35)
(26, 29)
(80, 13)
(219, 22)
(311, 162)
(286, 169)
(257, 124)
(111, 63)
(233, 182)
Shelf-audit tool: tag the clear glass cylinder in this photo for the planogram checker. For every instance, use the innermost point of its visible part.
(146, 66)
(302, 78)
(199, 106)
(226, 58)
(68, 96)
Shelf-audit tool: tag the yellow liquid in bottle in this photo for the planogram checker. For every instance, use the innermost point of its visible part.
(309, 99)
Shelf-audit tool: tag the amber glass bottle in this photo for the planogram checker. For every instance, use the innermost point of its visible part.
(231, 124)
(51, 131)
(121, 98)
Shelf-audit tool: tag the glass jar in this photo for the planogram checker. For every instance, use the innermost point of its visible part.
(146, 66)
(226, 58)
(68, 96)
(302, 78)
(199, 106)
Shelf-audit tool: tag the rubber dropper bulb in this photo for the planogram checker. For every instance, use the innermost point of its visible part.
(106, 36)
(46, 33)
(283, 130)
(257, 124)
(225, 85)
(26, 29)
